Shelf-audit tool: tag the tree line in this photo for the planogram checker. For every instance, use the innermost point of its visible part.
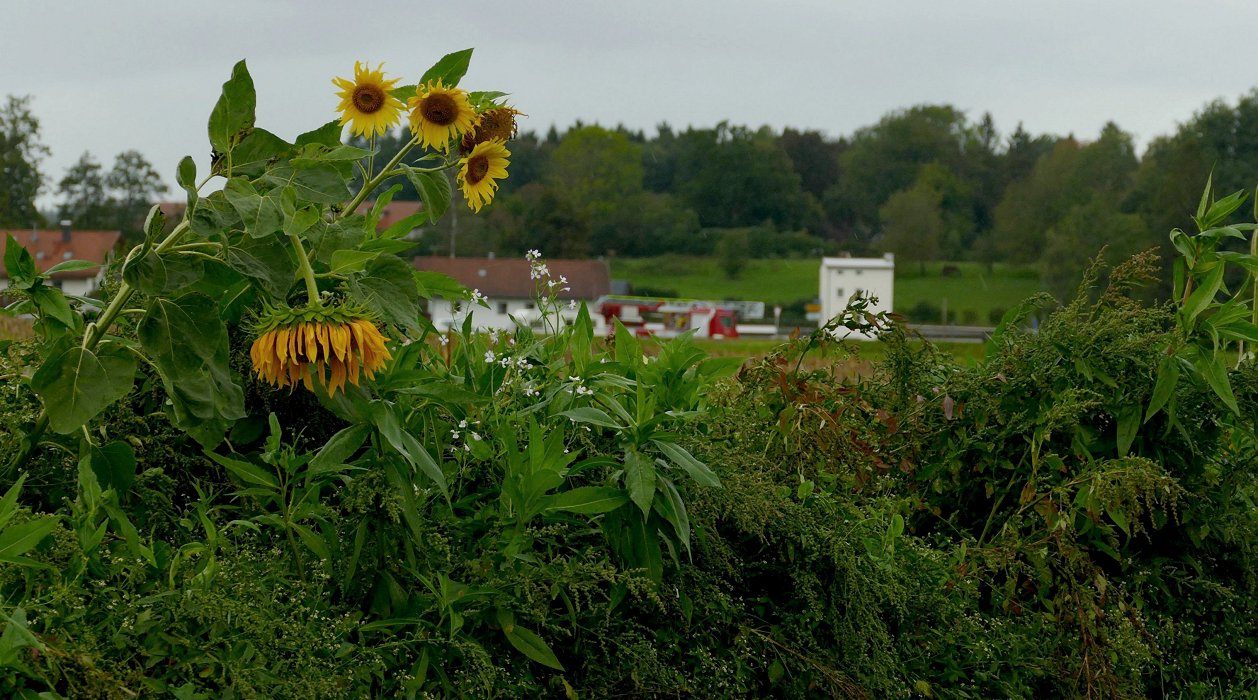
(926, 183)
(87, 195)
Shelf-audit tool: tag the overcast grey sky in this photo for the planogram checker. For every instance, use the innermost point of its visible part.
(123, 74)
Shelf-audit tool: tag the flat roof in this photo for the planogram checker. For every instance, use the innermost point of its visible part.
(859, 263)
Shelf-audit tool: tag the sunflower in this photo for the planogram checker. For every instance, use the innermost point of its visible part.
(439, 113)
(480, 170)
(495, 123)
(366, 101)
(341, 341)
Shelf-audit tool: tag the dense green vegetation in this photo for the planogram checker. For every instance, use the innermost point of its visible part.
(254, 471)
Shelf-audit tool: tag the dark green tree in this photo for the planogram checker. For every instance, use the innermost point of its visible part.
(20, 156)
(83, 195)
(913, 224)
(135, 186)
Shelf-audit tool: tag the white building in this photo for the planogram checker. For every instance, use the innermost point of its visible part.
(52, 247)
(843, 277)
(510, 292)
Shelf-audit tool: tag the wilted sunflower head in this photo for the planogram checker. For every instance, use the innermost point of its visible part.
(480, 171)
(496, 123)
(366, 103)
(298, 345)
(440, 114)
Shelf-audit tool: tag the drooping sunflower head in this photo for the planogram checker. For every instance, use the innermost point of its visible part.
(366, 103)
(440, 114)
(495, 123)
(332, 344)
(480, 171)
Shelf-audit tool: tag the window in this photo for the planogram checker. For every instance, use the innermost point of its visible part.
(502, 307)
(841, 296)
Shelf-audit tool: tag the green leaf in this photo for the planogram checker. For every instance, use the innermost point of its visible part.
(347, 261)
(75, 385)
(327, 135)
(436, 284)
(114, 465)
(1203, 296)
(233, 114)
(589, 500)
(405, 225)
(266, 261)
(71, 266)
(1164, 387)
(260, 215)
(681, 457)
(450, 69)
(52, 303)
(22, 538)
(640, 479)
(387, 287)
(214, 216)
(434, 190)
(1128, 421)
(527, 642)
(259, 150)
(186, 176)
(322, 184)
(189, 344)
(247, 472)
(341, 446)
(669, 505)
(8, 504)
(156, 274)
(1205, 198)
(1212, 369)
(327, 238)
(405, 444)
(594, 416)
(19, 266)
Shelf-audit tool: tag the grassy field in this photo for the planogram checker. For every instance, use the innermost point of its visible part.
(972, 293)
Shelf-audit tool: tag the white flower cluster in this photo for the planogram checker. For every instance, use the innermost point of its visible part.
(457, 433)
(577, 386)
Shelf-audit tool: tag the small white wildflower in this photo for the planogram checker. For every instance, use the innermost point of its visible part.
(575, 379)
(522, 362)
(490, 356)
(563, 280)
(454, 434)
(467, 448)
(492, 334)
(532, 255)
(463, 423)
(584, 391)
(572, 304)
(476, 436)
(477, 297)
(443, 339)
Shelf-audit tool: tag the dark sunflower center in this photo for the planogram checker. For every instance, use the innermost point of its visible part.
(368, 99)
(439, 109)
(477, 169)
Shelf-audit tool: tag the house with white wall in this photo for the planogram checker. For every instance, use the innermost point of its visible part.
(843, 277)
(50, 247)
(510, 291)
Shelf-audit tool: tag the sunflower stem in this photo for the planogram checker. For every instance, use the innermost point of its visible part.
(307, 272)
(374, 182)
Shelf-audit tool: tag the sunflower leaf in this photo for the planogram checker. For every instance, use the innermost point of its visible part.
(433, 189)
(77, 384)
(233, 115)
(188, 343)
(388, 288)
(450, 69)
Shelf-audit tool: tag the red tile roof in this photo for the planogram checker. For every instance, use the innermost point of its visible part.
(49, 248)
(508, 278)
(393, 212)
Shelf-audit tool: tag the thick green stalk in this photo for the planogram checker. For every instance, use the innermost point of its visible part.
(306, 271)
(91, 338)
